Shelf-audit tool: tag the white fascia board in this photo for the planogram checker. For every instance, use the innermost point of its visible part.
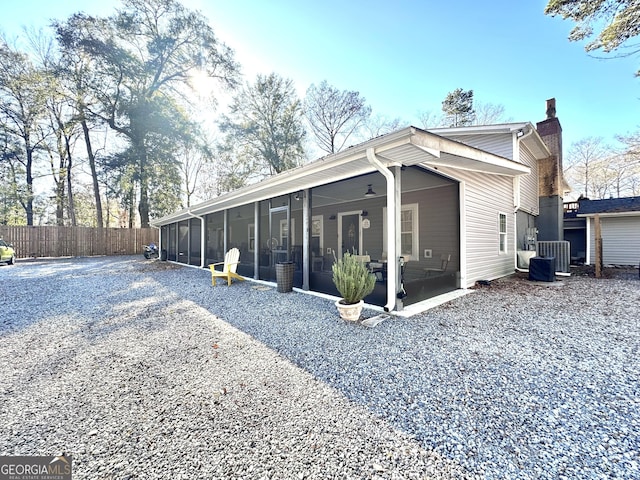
(305, 176)
(610, 214)
(480, 129)
(319, 171)
(480, 160)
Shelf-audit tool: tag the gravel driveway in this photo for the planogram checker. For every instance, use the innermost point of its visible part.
(141, 369)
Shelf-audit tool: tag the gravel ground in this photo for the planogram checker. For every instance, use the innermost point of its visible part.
(141, 369)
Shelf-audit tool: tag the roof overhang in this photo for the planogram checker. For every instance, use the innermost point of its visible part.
(525, 130)
(406, 147)
(633, 213)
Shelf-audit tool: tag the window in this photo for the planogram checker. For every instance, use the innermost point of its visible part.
(284, 233)
(316, 234)
(408, 231)
(251, 234)
(502, 221)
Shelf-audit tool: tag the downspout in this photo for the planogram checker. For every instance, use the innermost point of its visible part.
(392, 260)
(202, 235)
(516, 191)
(516, 179)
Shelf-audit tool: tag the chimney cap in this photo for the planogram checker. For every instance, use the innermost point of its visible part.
(551, 108)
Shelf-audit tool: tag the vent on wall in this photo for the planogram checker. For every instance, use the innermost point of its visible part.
(561, 250)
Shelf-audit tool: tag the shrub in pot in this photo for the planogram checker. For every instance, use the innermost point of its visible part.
(354, 282)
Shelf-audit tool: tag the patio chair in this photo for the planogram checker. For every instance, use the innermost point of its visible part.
(229, 266)
(444, 263)
(362, 258)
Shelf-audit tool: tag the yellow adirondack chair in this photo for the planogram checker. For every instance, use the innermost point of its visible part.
(229, 266)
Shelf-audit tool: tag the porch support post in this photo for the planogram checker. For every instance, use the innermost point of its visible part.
(226, 229)
(397, 204)
(256, 243)
(203, 240)
(306, 234)
(177, 240)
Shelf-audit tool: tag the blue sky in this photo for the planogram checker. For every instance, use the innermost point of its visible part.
(404, 56)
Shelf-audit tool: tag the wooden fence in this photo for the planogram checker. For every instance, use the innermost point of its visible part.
(51, 241)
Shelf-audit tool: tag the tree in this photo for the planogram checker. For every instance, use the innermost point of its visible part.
(10, 171)
(75, 72)
(377, 125)
(334, 115)
(193, 160)
(429, 119)
(585, 168)
(264, 130)
(480, 114)
(489, 113)
(621, 20)
(629, 163)
(23, 94)
(236, 166)
(458, 108)
(143, 58)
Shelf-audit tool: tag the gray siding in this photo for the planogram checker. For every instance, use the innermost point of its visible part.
(498, 144)
(437, 225)
(485, 196)
(529, 183)
(620, 240)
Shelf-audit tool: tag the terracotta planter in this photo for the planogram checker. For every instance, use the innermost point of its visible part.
(350, 312)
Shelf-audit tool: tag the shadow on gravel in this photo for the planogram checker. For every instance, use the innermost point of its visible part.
(512, 381)
(71, 304)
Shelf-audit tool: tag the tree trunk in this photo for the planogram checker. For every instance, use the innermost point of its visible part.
(60, 197)
(94, 173)
(29, 200)
(143, 205)
(131, 207)
(71, 203)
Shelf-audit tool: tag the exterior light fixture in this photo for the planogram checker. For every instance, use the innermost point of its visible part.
(370, 192)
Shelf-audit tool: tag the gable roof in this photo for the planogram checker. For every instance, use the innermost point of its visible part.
(530, 136)
(611, 206)
(409, 146)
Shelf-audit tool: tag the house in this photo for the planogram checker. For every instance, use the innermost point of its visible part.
(619, 229)
(432, 212)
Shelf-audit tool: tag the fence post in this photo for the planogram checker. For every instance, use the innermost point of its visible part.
(598, 246)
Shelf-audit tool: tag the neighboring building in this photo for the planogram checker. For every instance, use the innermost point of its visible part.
(433, 211)
(619, 229)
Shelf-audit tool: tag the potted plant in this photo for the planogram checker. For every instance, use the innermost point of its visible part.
(354, 282)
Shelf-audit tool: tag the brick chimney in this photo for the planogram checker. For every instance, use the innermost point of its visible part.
(550, 177)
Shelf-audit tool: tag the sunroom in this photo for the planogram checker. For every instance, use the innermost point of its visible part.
(387, 200)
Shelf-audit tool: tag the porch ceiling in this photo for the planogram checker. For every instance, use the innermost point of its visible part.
(410, 146)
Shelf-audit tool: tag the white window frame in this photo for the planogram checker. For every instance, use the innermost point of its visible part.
(415, 236)
(291, 232)
(320, 233)
(251, 236)
(503, 247)
(340, 240)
